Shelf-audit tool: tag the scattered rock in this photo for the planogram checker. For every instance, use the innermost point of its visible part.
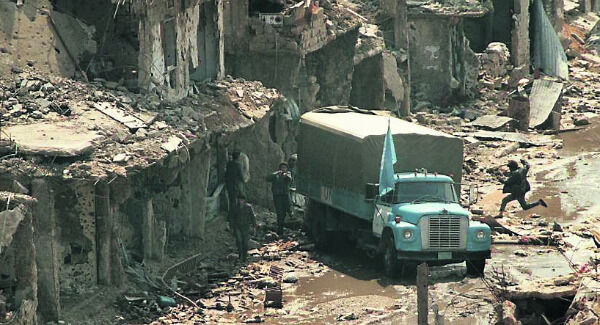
(557, 227)
(121, 158)
(290, 278)
(520, 252)
(580, 120)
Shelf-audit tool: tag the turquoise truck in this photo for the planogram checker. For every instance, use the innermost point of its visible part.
(420, 220)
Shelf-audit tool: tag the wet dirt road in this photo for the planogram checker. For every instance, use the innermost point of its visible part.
(353, 289)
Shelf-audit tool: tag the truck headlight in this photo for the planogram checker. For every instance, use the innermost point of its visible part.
(408, 234)
(480, 234)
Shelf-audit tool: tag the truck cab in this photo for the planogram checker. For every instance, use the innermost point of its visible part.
(421, 220)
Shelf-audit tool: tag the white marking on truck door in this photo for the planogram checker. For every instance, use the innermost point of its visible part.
(380, 217)
(326, 194)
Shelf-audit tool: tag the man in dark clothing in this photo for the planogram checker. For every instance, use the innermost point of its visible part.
(280, 186)
(517, 186)
(241, 220)
(234, 182)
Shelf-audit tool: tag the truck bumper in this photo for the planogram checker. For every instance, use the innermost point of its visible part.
(441, 258)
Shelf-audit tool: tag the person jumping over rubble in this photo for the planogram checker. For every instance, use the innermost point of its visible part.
(280, 187)
(234, 182)
(241, 220)
(517, 186)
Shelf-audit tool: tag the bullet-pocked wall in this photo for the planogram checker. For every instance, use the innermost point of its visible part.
(443, 68)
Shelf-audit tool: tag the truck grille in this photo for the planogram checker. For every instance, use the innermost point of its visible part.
(444, 232)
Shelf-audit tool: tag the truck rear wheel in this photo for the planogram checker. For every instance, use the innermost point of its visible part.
(316, 224)
(391, 266)
(475, 268)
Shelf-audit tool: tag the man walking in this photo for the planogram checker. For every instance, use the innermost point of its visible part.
(241, 220)
(517, 186)
(234, 182)
(280, 187)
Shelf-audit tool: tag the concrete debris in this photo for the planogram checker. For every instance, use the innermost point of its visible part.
(495, 60)
(580, 120)
(172, 144)
(94, 125)
(526, 139)
(10, 220)
(494, 123)
(290, 278)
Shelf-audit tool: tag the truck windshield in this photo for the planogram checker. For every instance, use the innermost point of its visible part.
(424, 192)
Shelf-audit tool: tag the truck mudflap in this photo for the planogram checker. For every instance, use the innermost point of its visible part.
(442, 257)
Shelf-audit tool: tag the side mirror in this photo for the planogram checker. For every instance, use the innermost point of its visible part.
(473, 194)
(371, 191)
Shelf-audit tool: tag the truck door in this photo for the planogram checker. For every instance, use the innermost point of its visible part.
(383, 209)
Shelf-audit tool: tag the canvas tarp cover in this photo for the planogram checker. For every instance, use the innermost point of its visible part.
(343, 150)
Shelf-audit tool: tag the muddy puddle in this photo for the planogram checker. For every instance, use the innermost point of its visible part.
(570, 186)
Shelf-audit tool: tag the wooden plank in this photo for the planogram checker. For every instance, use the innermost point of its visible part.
(130, 121)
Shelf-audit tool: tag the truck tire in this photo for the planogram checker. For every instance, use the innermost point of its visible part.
(391, 266)
(475, 268)
(316, 224)
(319, 234)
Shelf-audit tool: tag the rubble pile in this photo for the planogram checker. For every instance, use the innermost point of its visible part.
(451, 7)
(128, 131)
(220, 294)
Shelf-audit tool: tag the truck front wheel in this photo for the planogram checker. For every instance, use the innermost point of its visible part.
(475, 268)
(390, 258)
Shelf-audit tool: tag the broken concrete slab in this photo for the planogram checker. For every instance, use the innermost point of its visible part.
(544, 103)
(527, 139)
(172, 144)
(52, 140)
(130, 121)
(493, 122)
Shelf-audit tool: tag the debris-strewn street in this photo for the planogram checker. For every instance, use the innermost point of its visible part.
(299, 162)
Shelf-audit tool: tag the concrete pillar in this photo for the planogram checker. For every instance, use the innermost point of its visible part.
(200, 164)
(104, 228)
(147, 229)
(401, 41)
(46, 251)
(115, 252)
(25, 265)
(520, 34)
(187, 187)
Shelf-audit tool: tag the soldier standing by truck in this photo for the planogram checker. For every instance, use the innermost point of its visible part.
(517, 186)
(234, 182)
(241, 220)
(280, 187)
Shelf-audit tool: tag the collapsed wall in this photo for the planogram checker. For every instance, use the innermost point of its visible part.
(306, 52)
(118, 176)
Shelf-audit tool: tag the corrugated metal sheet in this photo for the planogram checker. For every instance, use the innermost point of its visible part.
(548, 54)
(544, 95)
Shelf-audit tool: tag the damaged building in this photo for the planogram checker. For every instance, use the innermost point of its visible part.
(113, 184)
(443, 67)
(161, 47)
(315, 53)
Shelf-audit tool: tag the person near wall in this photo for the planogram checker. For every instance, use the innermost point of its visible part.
(241, 221)
(280, 187)
(234, 182)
